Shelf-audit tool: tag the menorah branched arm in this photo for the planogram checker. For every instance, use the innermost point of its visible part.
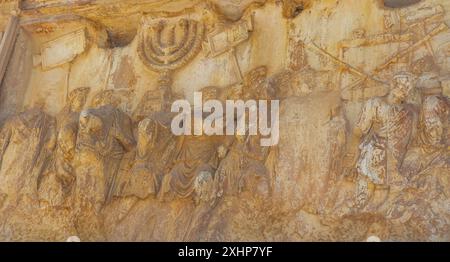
(161, 50)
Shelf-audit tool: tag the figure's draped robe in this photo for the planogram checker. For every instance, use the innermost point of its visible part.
(196, 154)
(98, 157)
(26, 141)
(388, 130)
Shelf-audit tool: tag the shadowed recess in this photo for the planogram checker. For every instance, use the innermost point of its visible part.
(400, 3)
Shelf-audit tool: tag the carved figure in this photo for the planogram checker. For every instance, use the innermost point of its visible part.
(243, 168)
(56, 185)
(195, 155)
(26, 144)
(433, 139)
(385, 125)
(427, 165)
(104, 137)
(154, 155)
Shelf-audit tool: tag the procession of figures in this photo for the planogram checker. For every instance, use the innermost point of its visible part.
(391, 162)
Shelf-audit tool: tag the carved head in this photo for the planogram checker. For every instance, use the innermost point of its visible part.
(222, 152)
(256, 76)
(254, 80)
(210, 93)
(89, 122)
(106, 97)
(77, 98)
(403, 83)
(424, 64)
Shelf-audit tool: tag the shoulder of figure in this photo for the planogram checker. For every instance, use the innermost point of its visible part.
(374, 102)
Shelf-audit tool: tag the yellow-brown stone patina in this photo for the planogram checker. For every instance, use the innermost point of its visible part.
(86, 148)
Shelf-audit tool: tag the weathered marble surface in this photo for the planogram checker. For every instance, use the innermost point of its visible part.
(86, 148)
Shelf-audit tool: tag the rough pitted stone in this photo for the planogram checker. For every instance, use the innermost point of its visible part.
(87, 153)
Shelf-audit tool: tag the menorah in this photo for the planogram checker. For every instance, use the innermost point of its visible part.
(167, 46)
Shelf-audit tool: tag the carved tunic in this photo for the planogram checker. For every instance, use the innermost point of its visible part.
(244, 160)
(154, 155)
(387, 130)
(197, 154)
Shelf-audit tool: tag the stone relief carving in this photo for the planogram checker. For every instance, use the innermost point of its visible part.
(291, 9)
(7, 43)
(57, 184)
(104, 136)
(364, 135)
(155, 151)
(386, 125)
(28, 140)
(166, 47)
(63, 49)
(220, 42)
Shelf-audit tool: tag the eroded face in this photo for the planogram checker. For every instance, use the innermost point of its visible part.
(256, 77)
(78, 103)
(90, 123)
(398, 95)
(402, 86)
(221, 152)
